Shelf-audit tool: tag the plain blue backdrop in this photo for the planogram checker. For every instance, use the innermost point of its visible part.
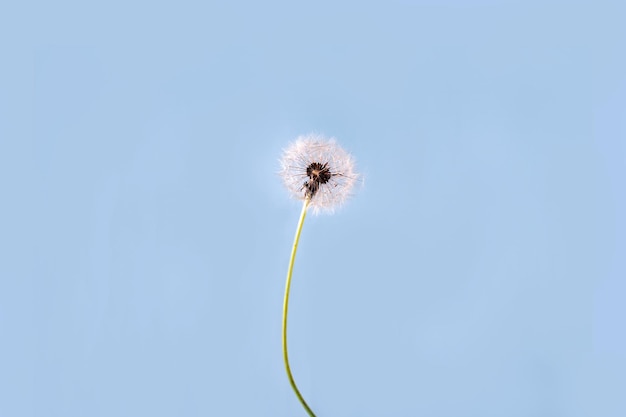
(144, 232)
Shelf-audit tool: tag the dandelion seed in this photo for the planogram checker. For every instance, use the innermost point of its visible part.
(317, 168)
(321, 173)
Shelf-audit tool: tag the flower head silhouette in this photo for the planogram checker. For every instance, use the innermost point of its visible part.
(318, 169)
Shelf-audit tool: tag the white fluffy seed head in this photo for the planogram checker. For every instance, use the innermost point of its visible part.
(316, 167)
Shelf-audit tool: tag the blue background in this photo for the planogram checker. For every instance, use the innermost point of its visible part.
(145, 234)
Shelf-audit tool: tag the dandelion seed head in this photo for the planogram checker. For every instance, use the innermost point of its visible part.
(317, 167)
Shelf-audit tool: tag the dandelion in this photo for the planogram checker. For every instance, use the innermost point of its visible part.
(319, 172)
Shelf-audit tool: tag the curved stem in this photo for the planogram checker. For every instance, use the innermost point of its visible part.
(286, 307)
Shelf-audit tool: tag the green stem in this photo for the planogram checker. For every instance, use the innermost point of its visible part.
(286, 307)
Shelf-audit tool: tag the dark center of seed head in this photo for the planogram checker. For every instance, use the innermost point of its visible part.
(318, 174)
